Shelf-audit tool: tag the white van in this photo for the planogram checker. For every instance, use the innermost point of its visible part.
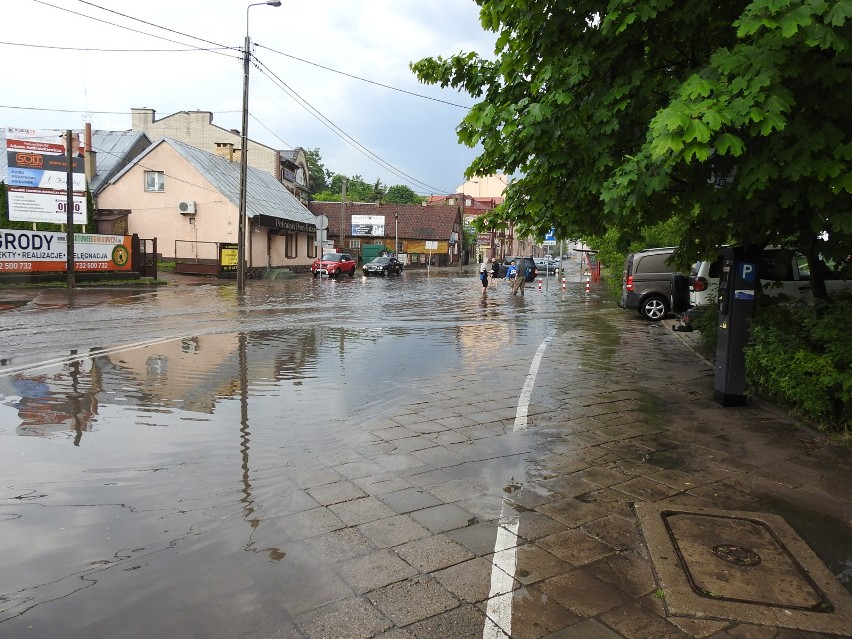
(782, 272)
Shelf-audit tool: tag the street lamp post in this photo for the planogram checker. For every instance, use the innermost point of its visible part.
(241, 239)
(396, 235)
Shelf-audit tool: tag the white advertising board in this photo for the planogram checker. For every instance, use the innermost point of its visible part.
(37, 177)
(371, 225)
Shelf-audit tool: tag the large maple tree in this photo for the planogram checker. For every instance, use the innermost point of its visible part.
(731, 115)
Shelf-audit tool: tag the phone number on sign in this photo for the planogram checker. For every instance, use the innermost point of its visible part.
(92, 265)
(16, 266)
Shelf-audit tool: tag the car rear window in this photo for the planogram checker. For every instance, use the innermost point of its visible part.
(654, 264)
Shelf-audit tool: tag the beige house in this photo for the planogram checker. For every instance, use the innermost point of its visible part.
(189, 200)
(486, 186)
(290, 166)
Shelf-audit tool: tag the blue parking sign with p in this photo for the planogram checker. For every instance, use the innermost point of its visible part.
(748, 271)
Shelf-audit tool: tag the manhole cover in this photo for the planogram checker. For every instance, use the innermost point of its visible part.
(741, 566)
(736, 555)
(733, 571)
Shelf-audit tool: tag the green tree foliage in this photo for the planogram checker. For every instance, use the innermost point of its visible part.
(318, 174)
(731, 116)
(326, 186)
(401, 194)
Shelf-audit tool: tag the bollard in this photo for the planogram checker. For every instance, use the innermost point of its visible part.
(539, 283)
(563, 283)
(587, 286)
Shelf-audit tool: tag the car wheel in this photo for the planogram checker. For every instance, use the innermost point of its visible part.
(653, 308)
(315, 273)
(352, 273)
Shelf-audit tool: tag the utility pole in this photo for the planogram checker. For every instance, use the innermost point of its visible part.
(69, 212)
(343, 215)
(461, 231)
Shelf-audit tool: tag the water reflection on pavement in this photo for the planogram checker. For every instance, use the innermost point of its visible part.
(185, 461)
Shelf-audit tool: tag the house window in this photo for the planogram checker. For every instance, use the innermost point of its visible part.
(354, 244)
(290, 248)
(154, 181)
(312, 245)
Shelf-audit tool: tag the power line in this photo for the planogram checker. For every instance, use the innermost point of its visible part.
(121, 26)
(282, 85)
(46, 46)
(151, 24)
(20, 108)
(355, 77)
(342, 134)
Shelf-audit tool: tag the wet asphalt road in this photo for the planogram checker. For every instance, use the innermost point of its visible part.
(182, 462)
(388, 458)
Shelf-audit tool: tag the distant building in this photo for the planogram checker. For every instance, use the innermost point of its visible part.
(355, 226)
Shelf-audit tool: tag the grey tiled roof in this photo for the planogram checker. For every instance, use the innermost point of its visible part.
(114, 150)
(264, 195)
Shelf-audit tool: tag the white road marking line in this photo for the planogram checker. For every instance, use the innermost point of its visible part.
(498, 612)
(81, 356)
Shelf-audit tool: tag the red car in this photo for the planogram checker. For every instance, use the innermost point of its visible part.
(333, 265)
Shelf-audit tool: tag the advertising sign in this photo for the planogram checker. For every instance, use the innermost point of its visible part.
(40, 251)
(228, 257)
(371, 225)
(38, 176)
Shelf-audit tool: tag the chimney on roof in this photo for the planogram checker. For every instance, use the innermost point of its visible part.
(225, 150)
(90, 166)
(141, 118)
(200, 118)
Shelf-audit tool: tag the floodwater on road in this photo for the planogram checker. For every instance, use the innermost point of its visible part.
(184, 461)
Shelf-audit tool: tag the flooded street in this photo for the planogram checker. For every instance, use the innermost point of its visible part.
(389, 458)
(179, 459)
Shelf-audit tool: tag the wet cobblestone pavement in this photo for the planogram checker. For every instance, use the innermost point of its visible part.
(484, 486)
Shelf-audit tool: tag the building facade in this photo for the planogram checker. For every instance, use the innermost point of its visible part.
(288, 166)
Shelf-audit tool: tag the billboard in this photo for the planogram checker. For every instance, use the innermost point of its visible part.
(41, 251)
(371, 225)
(37, 177)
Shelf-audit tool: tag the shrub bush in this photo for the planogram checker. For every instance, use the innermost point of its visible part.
(803, 359)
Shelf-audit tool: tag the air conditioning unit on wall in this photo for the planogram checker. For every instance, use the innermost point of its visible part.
(186, 207)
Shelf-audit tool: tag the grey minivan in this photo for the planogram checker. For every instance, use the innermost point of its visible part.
(646, 282)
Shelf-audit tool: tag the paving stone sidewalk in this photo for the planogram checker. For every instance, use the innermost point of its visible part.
(633, 422)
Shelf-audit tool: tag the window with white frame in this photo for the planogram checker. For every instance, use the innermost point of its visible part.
(354, 244)
(312, 245)
(155, 181)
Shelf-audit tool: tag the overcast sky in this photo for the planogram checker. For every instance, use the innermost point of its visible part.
(303, 105)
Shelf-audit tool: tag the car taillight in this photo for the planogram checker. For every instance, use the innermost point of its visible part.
(699, 284)
(629, 283)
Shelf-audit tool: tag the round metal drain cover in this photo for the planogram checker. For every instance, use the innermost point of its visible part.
(736, 555)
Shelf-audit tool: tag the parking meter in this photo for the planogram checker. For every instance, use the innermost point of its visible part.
(738, 286)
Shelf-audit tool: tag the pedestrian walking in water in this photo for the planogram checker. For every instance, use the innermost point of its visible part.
(511, 273)
(495, 272)
(517, 280)
(483, 277)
